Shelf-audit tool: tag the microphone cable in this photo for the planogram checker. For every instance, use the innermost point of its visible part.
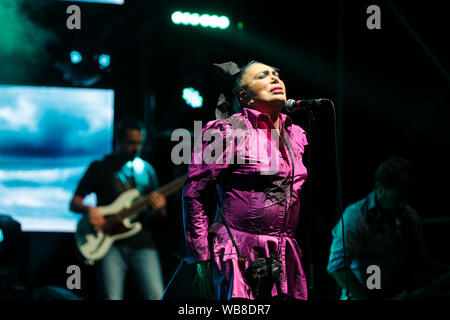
(339, 198)
(339, 190)
(339, 194)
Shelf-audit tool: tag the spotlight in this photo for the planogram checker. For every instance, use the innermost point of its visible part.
(104, 60)
(204, 20)
(224, 22)
(75, 57)
(192, 97)
(177, 17)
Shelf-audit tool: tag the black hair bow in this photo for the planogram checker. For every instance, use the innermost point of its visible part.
(228, 71)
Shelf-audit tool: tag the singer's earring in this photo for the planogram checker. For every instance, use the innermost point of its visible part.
(244, 98)
(248, 99)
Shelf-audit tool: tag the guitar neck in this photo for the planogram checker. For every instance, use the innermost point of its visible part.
(172, 186)
(142, 203)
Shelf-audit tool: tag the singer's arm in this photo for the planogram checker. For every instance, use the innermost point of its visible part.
(199, 200)
(200, 185)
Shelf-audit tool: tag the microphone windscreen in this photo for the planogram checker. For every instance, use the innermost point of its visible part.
(290, 104)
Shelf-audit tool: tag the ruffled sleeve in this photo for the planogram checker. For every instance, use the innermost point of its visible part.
(212, 155)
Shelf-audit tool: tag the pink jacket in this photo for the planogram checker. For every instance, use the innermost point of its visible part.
(250, 178)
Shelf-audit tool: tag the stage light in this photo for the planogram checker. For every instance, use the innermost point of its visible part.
(204, 20)
(104, 60)
(99, 1)
(177, 16)
(195, 19)
(1, 236)
(192, 97)
(224, 22)
(214, 21)
(75, 57)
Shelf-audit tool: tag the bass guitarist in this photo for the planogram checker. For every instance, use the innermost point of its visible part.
(136, 257)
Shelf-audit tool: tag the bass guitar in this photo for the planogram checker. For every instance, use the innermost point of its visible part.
(93, 244)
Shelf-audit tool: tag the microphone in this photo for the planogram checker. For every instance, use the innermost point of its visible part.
(293, 105)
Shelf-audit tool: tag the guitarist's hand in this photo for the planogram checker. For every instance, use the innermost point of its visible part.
(157, 201)
(96, 218)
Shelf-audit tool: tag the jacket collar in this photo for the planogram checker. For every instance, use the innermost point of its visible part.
(254, 116)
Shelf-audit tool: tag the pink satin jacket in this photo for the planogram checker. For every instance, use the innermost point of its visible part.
(248, 172)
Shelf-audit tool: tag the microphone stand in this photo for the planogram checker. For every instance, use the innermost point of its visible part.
(309, 218)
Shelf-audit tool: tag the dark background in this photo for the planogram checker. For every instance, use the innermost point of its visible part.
(390, 88)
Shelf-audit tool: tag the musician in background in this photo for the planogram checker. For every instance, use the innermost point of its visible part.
(136, 257)
(382, 230)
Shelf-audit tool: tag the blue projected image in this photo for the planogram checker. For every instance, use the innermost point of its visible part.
(48, 138)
